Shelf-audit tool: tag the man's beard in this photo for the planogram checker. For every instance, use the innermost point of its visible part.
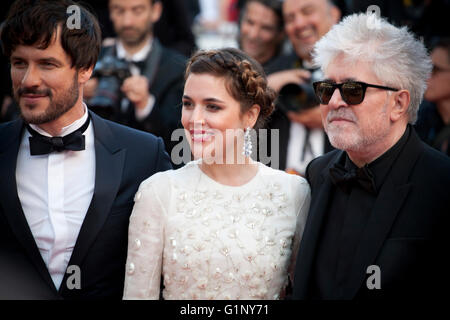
(56, 107)
(135, 41)
(358, 139)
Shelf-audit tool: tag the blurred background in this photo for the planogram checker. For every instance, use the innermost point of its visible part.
(188, 25)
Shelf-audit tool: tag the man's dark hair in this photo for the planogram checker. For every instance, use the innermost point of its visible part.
(443, 43)
(153, 1)
(274, 5)
(35, 22)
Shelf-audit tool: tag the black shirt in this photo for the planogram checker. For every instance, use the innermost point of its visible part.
(347, 216)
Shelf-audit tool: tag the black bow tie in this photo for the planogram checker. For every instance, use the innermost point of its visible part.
(140, 65)
(40, 144)
(344, 178)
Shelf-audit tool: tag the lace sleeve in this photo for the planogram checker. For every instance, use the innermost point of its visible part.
(304, 199)
(145, 245)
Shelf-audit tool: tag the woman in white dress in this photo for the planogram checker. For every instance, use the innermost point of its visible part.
(223, 226)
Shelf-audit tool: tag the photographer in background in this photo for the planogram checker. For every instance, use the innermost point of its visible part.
(137, 81)
(301, 133)
(433, 122)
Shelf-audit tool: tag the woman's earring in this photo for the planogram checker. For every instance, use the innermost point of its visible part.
(247, 148)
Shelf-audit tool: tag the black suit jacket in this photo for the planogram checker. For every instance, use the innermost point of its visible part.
(406, 232)
(124, 157)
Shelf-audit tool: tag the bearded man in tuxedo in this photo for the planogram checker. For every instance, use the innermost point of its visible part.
(68, 177)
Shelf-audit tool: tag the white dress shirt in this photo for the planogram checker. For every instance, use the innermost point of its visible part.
(298, 154)
(141, 55)
(55, 191)
(301, 148)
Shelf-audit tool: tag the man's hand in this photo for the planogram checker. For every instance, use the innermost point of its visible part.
(278, 80)
(136, 90)
(310, 118)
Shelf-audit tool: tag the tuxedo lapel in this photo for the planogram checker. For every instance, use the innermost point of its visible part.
(317, 213)
(9, 199)
(109, 161)
(393, 194)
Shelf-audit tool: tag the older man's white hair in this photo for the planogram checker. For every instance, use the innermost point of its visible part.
(397, 57)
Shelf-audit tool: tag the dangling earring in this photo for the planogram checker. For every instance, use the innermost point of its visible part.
(247, 148)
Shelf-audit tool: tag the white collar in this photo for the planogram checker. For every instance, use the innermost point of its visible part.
(67, 129)
(138, 56)
(308, 65)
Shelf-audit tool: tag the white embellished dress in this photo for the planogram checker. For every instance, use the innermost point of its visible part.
(212, 241)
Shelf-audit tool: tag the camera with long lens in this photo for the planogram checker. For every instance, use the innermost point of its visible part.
(111, 73)
(297, 97)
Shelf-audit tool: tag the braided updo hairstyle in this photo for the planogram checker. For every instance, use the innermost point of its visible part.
(245, 78)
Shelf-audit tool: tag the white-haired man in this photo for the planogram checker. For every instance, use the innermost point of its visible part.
(380, 207)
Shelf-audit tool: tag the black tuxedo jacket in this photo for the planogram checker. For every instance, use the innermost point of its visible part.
(124, 157)
(406, 232)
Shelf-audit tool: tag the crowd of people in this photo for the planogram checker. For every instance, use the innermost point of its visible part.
(132, 151)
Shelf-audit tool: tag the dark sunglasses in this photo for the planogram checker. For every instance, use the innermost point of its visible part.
(352, 92)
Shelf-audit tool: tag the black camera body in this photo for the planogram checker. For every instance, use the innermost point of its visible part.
(297, 97)
(111, 73)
